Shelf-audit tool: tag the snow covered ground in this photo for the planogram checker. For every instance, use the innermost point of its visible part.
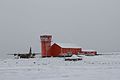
(103, 67)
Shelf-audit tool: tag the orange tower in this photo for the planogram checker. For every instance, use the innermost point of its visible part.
(45, 45)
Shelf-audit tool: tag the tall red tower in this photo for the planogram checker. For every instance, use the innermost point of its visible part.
(45, 45)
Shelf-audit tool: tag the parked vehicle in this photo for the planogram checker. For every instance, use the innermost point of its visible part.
(73, 58)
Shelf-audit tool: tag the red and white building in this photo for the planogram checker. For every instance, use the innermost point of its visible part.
(60, 49)
(89, 52)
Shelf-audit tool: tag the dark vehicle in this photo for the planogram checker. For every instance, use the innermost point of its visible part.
(73, 58)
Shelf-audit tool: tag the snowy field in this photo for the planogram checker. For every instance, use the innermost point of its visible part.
(103, 67)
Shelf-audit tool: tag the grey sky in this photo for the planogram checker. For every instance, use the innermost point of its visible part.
(93, 24)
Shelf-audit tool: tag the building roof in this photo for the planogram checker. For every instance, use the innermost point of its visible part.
(67, 45)
(87, 50)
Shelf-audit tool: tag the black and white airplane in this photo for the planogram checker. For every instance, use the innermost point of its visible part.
(25, 55)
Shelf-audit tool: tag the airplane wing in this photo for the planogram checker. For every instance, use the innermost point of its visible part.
(17, 53)
(36, 53)
(23, 53)
(13, 54)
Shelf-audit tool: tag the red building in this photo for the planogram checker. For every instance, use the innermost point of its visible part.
(60, 49)
(89, 52)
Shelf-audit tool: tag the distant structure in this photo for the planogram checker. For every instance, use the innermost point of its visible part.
(61, 49)
(89, 52)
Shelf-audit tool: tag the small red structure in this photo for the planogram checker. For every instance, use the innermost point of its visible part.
(89, 52)
(60, 49)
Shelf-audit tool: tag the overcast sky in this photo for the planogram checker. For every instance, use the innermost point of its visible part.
(92, 24)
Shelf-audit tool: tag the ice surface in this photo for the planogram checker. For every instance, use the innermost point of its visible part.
(103, 67)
